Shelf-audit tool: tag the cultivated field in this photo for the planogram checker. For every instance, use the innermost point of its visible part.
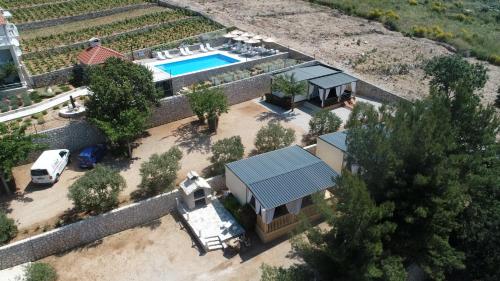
(472, 26)
(52, 48)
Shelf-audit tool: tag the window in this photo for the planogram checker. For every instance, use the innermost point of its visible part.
(63, 153)
(39, 173)
(200, 193)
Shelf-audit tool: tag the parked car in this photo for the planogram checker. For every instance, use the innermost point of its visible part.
(49, 166)
(91, 155)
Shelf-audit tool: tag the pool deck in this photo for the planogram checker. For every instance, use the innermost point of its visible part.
(160, 75)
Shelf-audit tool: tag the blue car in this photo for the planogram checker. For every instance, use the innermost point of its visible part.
(89, 156)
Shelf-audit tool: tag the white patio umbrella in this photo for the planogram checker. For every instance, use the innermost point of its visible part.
(252, 41)
(230, 35)
(258, 37)
(237, 32)
(269, 40)
(248, 34)
(240, 38)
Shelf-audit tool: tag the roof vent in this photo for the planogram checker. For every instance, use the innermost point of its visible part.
(94, 42)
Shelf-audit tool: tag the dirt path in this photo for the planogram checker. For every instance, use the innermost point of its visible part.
(36, 208)
(162, 251)
(359, 46)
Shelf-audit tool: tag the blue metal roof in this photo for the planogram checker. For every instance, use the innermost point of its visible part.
(281, 176)
(337, 139)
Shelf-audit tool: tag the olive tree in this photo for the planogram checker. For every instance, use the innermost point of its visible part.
(97, 191)
(226, 151)
(289, 87)
(208, 104)
(273, 136)
(8, 228)
(39, 271)
(324, 122)
(160, 171)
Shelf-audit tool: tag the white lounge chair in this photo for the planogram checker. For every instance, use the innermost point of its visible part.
(160, 56)
(209, 47)
(167, 55)
(188, 51)
(183, 52)
(202, 48)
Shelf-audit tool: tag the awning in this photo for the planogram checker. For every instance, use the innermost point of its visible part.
(332, 81)
(310, 72)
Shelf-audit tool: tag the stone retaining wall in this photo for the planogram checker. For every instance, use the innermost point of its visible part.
(87, 231)
(372, 92)
(51, 78)
(53, 22)
(75, 136)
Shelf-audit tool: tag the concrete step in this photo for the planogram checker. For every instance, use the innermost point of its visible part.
(213, 248)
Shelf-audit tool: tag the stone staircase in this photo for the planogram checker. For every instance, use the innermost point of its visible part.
(213, 243)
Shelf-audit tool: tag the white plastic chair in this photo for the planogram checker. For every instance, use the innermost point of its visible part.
(167, 55)
(160, 56)
(188, 51)
(183, 52)
(210, 47)
(202, 48)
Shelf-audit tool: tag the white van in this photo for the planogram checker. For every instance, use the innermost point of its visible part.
(49, 166)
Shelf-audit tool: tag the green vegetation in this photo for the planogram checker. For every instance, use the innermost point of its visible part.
(226, 151)
(208, 104)
(123, 93)
(244, 215)
(160, 171)
(273, 136)
(15, 146)
(8, 228)
(49, 60)
(102, 31)
(289, 87)
(39, 271)
(97, 191)
(54, 10)
(323, 122)
(427, 190)
(468, 25)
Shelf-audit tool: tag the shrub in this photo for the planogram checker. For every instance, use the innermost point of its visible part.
(375, 14)
(391, 16)
(14, 106)
(324, 122)
(8, 228)
(438, 7)
(160, 171)
(40, 120)
(35, 97)
(37, 115)
(226, 151)
(273, 136)
(413, 2)
(97, 191)
(44, 112)
(245, 215)
(26, 99)
(65, 103)
(40, 272)
(4, 107)
(65, 88)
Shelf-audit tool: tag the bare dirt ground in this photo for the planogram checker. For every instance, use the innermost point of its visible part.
(333, 37)
(35, 208)
(162, 251)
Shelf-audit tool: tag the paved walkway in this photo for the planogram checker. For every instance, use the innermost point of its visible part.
(44, 105)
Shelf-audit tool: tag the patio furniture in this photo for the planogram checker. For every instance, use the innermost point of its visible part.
(202, 48)
(183, 52)
(188, 51)
(167, 55)
(160, 56)
(210, 48)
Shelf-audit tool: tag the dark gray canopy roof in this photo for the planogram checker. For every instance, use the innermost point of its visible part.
(310, 72)
(332, 81)
(284, 175)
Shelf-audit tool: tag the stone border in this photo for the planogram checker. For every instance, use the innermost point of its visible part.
(87, 231)
(91, 15)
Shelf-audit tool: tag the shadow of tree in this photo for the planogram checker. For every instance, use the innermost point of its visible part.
(152, 225)
(193, 137)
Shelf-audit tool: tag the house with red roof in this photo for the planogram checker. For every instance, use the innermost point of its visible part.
(97, 54)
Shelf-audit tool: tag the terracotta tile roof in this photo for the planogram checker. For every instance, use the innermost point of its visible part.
(97, 55)
(2, 20)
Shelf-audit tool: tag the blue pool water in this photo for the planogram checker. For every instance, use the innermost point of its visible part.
(196, 64)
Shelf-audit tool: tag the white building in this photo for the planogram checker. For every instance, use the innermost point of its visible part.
(10, 53)
(196, 191)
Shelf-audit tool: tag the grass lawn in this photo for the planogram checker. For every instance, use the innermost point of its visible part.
(472, 26)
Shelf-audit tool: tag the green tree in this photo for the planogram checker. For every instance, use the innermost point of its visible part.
(273, 136)
(97, 191)
(160, 171)
(8, 228)
(208, 104)
(39, 271)
(293, 273)
(123, 93)
(6, 73)
(15, 146)
(289, 87)
(226, 151)
(324, 122)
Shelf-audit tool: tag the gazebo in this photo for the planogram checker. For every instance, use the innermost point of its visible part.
(338, 83)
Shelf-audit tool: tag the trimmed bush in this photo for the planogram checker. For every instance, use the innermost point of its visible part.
(324, 122)
(8, 228)
(26, 99)
(273, 136)
(4, 106)
(35, 97)
(226, 151)
(40, 272)
(160, 171)
(97, 191)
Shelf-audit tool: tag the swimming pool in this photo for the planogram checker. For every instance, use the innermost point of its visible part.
(196, 64)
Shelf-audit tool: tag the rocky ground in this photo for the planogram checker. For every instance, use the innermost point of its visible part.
(361, 47)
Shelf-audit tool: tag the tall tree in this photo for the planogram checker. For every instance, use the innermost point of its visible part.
(121, 100)
(208, 104)
(289, 87)
(15, 146)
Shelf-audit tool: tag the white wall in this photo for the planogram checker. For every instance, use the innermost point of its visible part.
(236, 186)
(332, 156)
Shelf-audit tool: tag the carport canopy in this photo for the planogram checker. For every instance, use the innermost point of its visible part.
(332, 81)
(309, 72)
